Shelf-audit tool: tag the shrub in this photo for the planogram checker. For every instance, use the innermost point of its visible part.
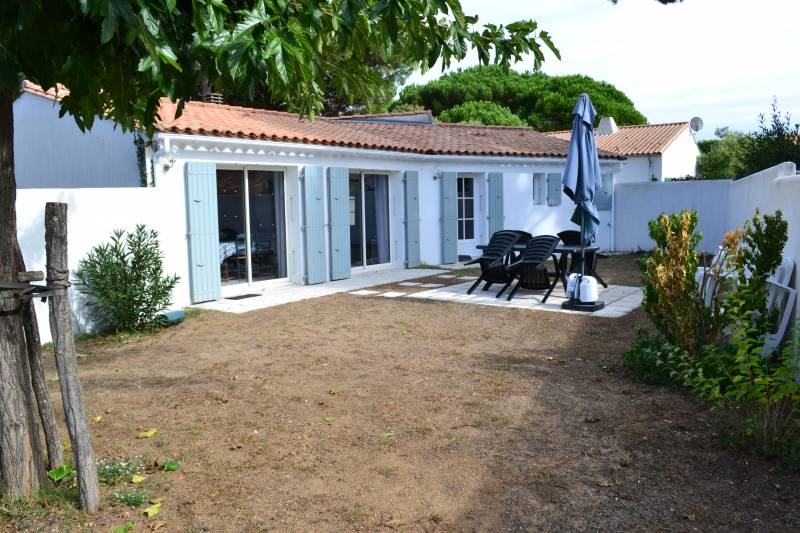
(758, 256)
(761, 393)
(124, 281)
(652, 358)
(671, 298)
(715, 348)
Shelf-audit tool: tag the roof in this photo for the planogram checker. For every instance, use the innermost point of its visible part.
(648, 139)
(56, 93)
(201, 118)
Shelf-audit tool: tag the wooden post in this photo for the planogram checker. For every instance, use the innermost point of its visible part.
(55, 235)
(33, 345)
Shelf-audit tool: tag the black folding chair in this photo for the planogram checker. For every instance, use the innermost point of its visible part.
(530, 269)
(496, 256)
(573, 238)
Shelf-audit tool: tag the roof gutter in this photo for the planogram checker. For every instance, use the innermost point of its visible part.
(172, 143)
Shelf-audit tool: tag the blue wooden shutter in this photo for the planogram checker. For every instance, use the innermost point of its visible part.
(203, 236)
(496, 217)
(411, 191)
(449, 218)
(314, 225)
(339, 205)
(554, 188)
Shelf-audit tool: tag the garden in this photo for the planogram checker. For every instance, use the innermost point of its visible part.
(352, 413)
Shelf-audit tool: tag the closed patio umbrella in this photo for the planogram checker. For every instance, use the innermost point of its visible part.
(581, 180)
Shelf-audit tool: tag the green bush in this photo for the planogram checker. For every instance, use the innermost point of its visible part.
(760, 392)
(124, 281)
(717, 350)
(652, 358)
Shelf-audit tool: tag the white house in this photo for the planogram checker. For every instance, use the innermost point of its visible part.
(243, 197)
(653, 152)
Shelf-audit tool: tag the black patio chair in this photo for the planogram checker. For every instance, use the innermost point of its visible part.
(496, 256)
(530, 269)
(573, 238)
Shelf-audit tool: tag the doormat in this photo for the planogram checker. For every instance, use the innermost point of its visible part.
(242, 296)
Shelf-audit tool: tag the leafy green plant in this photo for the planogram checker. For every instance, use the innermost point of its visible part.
(131, 497)
(61, 473)
(113, 471)
(761, 392)
(652, 358)
(671, 297)
(171, 465)
(124, 281)
(756, 259)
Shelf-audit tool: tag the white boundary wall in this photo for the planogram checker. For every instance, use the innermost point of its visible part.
(637, 203)
(92, 215)
(721, 204)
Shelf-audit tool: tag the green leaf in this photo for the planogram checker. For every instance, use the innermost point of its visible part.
(171, 465)
(123, 528)
(60, 473)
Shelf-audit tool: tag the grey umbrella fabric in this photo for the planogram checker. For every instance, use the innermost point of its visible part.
(581, 179)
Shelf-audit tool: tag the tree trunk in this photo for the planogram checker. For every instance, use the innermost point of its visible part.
(55, 237)
(15, 452)
(33, 345)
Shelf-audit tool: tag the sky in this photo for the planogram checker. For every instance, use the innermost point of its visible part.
(721, 60)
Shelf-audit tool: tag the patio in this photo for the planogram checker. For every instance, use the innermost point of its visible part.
(620, 300)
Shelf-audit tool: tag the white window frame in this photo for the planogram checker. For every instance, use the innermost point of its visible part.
(461, 200)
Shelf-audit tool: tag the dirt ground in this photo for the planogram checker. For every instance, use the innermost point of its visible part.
(350, 413)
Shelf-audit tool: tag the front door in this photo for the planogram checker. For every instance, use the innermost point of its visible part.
(369, 219)
(250, 209)
(466, 201)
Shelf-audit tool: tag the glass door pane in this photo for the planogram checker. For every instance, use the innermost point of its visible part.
(267, 248)
(356, 225)
(466, 209)
(376, 218)
(230, 215)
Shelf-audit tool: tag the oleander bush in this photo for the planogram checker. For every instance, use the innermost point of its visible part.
(124, 281)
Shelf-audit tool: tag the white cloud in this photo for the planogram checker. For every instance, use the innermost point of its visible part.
(722, 60)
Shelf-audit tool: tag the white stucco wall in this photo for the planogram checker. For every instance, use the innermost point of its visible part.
(92, 215)
(52, 152)
(680, 157)
(637, 203)
(95, 212)
(639, 169)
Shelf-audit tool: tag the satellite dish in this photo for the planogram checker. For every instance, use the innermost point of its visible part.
(696, 124)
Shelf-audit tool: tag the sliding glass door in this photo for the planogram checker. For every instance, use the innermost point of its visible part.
(250, 206)
(369, 219)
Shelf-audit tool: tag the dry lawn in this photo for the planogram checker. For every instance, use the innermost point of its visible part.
(353, 413)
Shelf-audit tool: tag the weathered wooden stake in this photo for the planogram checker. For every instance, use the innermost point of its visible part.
(33, 345)
(55, 236)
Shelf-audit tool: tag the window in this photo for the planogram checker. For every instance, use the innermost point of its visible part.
(554, 189)
(539, 189)
(603, 197)
(466, 209)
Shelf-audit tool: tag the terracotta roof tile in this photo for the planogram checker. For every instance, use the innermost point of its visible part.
(648, 139)
(56, 93)
(435, 139)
